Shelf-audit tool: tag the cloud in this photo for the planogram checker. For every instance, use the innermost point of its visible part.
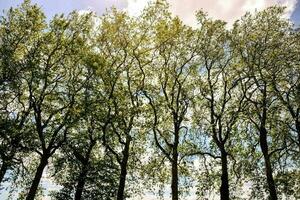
(228, 10)
(135, 7)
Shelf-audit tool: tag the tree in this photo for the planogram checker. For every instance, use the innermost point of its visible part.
(220, 100)
(20, 30)
(258, 39)
(52, 84)
(286, 81)
(119, 63)
(168, 90)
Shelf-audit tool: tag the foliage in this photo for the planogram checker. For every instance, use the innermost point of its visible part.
(115, 106)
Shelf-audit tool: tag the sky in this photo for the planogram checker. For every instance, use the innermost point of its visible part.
(228, 10)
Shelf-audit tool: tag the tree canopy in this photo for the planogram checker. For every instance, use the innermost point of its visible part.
(120, 107)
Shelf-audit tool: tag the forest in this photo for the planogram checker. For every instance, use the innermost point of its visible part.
(117, 107)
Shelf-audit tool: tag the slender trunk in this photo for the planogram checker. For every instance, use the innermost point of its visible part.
(122, 180)
(3, 170)
(84, 171)
(224, 190)
(174, 184)
(81, 182)
(298, 131)
(268, 167)
(37, 178)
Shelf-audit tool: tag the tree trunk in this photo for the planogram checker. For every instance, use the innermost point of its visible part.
(174, 184)
(224, 190)
(81, 182)
(268, 167)
(3, 170)
(123, 165)
(37, 178)
(84, 171)
(298, 131)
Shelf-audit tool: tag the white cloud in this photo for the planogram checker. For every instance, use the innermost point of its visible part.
(228, 10)
(134, 7)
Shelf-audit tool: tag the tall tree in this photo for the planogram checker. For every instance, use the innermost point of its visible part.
(20, 30)
(52, 83)
(169, 90)
(220, 101)
(119, 62)
(258, 40)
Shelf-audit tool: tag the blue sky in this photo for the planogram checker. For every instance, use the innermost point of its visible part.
(52, 7)
(228, 10)
(296, 14)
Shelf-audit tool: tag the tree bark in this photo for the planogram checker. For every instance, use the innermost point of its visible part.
(123, 165)
(224, 190)
(81, 182)
(298, 131)
(174, 184)
(84, 171)
(37, 178)
(3, 170)
(268, 167)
